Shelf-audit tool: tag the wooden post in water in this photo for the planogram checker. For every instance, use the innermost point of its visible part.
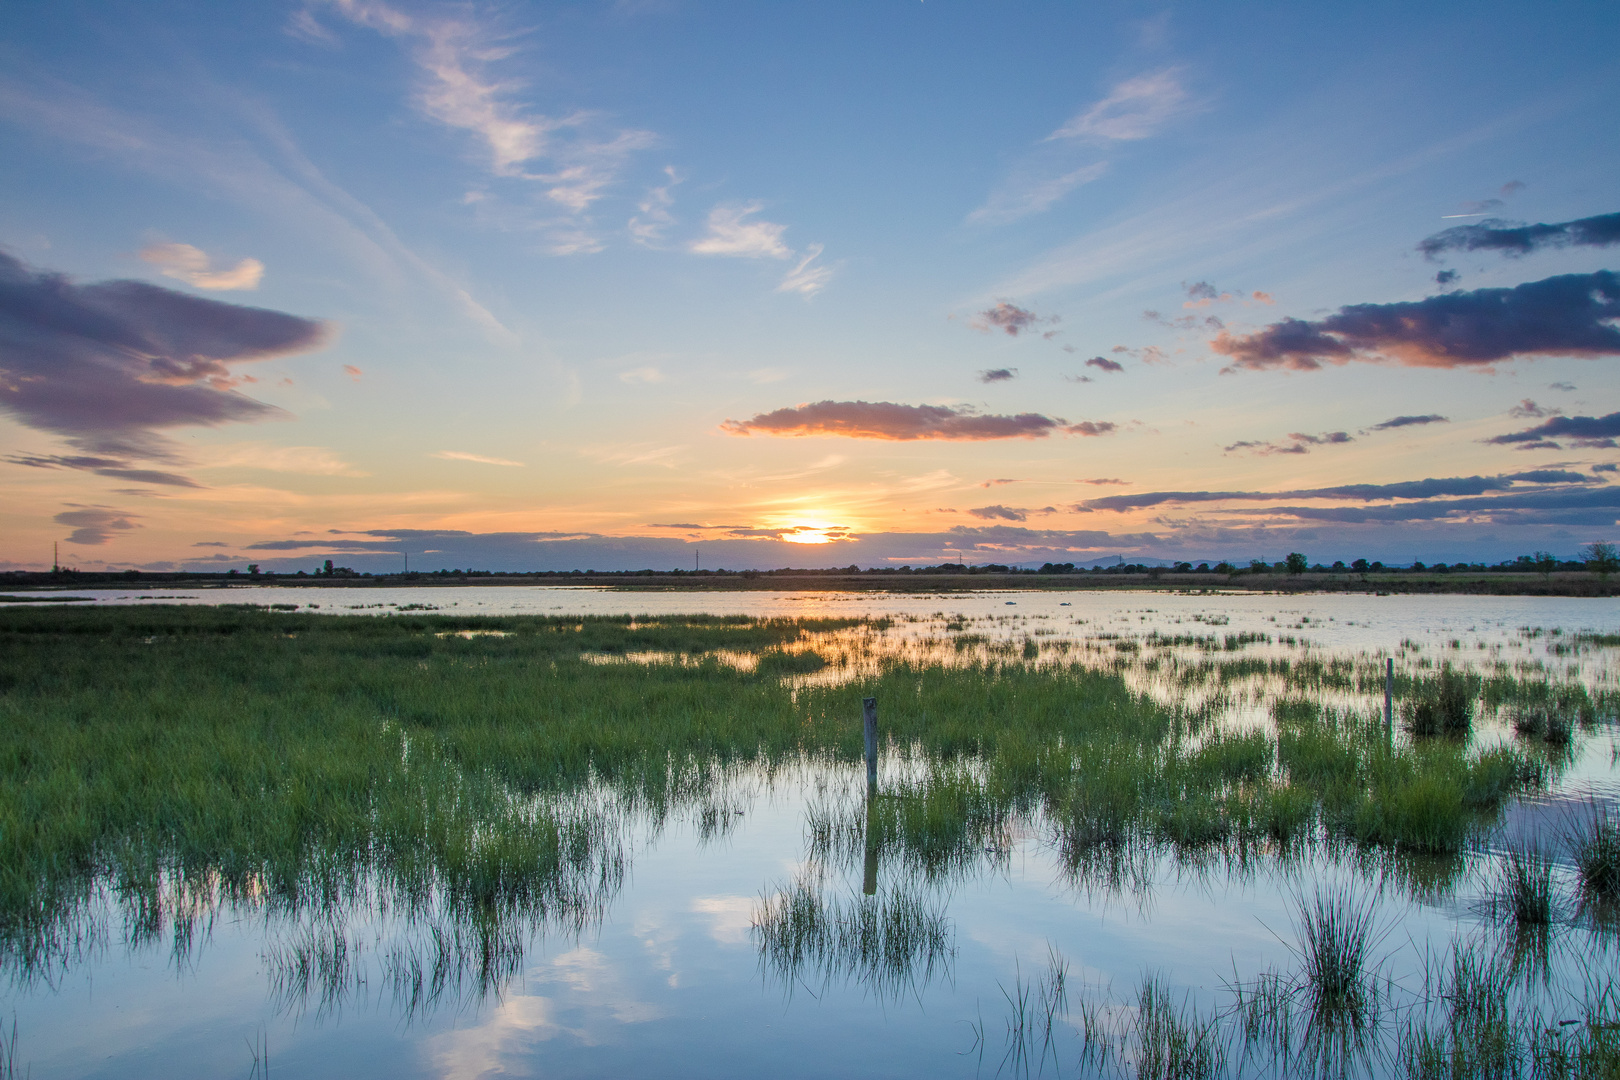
(1389, 698)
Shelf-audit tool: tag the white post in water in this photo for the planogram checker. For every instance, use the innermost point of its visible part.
(869, 709)
(1389, 697)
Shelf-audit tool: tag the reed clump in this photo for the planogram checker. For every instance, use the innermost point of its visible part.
(1524, 890)
(1595, 845)
(1443, 705)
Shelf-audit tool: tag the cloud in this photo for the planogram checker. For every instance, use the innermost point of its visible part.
(647, 374)
(1607, 466)
(887, 420)
(1569, 315)
(1561, 386)
(1410, 421)
(1133, 109)
(1526, 409)
(805, 279)
(352, 372)
(1517, 240)
(1446, 277)
(461, 455)
(649, 225)
(95, 525)
(1299, 443)
(117, 468)
(998, 482)
(192, 266)
(1009, 318)
(1001, 513)
(1102, 481)
(1102, 363)
(730, 234)
(1594, 431)
(1091, 428)
(570, 157)
(998, 375)
(108, 365)
(307, 460)
(1030, 191)
(1431, 488)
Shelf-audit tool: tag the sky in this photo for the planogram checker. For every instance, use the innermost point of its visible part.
(670, 283)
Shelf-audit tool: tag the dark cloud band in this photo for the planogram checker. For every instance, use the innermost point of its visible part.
(1585, 430)
(1515, 240)
(109, 364)
(1432, 488)
(1569, 315)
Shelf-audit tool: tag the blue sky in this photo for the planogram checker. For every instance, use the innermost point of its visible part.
(545, 286)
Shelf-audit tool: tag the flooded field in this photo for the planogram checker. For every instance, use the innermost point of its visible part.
(551, 832)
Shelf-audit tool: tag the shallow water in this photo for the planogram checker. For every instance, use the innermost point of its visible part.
(671, 976)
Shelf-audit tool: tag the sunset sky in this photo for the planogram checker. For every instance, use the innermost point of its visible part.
(555, 286)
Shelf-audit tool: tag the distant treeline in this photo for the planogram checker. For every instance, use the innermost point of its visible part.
(1597, 558)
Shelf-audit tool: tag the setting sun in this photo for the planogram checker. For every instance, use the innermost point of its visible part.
(816, 531)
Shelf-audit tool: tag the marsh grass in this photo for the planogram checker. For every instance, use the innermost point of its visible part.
(1443, 705)
(1595, 846)
(478, 777)
(1523, 893)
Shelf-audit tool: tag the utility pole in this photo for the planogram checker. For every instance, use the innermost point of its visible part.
(696, 564)
(56, 556)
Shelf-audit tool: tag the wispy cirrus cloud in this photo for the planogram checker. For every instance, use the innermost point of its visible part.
(1515, 240)
(303, 460)
(109, 365)
(573, 158)
(805, 278)
(1568, 315)
(1132, 110)
(192, 265)
(478, 459)
(653, 216)
(731, 232)
(891, 421)
(1030, 190)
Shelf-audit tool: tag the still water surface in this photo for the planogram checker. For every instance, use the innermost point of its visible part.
(671, 977)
